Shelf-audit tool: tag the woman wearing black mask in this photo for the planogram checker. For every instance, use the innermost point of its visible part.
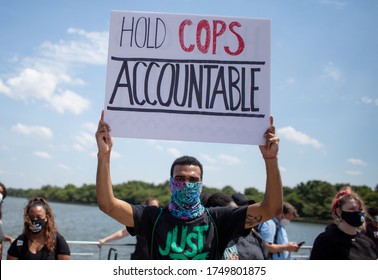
(40, 239)
(342, 240)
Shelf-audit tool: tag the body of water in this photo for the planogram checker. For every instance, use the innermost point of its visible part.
(88, 223)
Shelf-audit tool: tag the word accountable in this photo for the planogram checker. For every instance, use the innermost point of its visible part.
(201, 87)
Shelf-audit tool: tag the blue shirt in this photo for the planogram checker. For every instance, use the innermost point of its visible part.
(268, 230)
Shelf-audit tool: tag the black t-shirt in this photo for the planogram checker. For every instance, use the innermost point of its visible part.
(141, 250)
(334, 244)
(202, 238)
(372, 232)
(19, 249)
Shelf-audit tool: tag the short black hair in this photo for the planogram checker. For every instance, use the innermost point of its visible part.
(187, 160)
(218, 199)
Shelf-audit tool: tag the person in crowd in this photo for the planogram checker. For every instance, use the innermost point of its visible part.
(370, 228)
(40, 239)
(3, 237)
(141, 251)
(275, 236)
(343, 240)
(248, 245)
(186, 229)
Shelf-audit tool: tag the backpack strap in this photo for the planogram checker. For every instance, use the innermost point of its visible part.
(276, 236)
(215, 226)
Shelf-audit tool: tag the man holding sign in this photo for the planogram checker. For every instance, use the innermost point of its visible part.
(185, 229)
(193, 78)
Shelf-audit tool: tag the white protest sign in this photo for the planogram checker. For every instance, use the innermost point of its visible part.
(188, 77)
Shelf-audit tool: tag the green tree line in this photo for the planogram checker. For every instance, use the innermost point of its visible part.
(312, 199)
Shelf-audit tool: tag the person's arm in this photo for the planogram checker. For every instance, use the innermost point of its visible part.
(63, 257)
(8, 238)
(115, 208)
(9, 257)
(275, 248)
(272, 202)
(115, 236)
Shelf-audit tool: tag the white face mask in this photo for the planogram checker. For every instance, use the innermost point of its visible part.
(284, 222)
(1, 197)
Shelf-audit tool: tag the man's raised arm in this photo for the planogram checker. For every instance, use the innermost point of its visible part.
(272, 203)
(115, 208)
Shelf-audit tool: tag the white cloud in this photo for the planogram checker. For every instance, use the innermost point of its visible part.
(356, 161)
(208, 158)
(282, 169)
(63, 166)
(45, 76)
(230, 160)
(115, 155)
(354, 172)
(30, 84)
(174, 152)
(332, 71)
(44, 155)
(91, 127)
(84, 140)
(290, 81)
(89, 48)
(69, 101)
(368, 100)
(38, 131)
(298, 137)
(336, 3)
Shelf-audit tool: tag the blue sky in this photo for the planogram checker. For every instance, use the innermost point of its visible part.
(324, 96)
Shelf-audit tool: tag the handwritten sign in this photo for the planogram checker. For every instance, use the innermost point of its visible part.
(188, 77)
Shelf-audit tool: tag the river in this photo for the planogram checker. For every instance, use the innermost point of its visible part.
(87, 223)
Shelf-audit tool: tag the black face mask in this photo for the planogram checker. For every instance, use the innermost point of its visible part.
(38, 225)
(354, 219)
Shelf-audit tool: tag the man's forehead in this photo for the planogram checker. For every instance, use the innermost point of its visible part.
(186, 169)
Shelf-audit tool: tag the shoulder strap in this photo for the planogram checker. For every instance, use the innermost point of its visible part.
(215, 226)
(276, 236)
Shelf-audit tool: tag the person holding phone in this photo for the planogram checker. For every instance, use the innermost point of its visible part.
(274, 234)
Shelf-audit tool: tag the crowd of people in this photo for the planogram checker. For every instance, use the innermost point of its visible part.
(195, 226)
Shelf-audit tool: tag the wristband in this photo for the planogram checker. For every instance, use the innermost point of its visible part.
(275, 157)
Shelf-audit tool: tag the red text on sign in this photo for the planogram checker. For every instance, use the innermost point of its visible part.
(211, 32)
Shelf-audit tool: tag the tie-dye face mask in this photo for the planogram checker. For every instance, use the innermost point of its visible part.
(185, 201)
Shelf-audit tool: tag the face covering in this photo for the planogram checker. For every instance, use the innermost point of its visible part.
(1, 197)
(354, 219)
(284, 222)
(185, 202)
(37, 226)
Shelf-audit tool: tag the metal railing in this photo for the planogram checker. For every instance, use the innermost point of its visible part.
(302, 254)
(94, 244)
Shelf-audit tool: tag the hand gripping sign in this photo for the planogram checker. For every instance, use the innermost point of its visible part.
(188, 77)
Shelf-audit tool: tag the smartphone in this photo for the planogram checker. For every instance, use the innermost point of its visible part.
(301, 243)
